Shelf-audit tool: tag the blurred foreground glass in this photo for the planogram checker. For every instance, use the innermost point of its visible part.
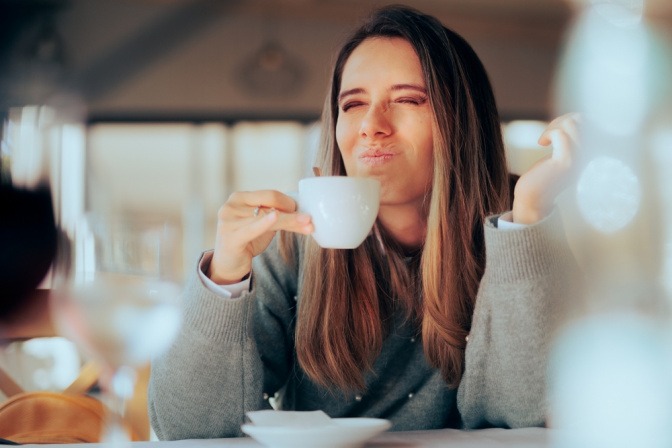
(615, 72)
(116, 291)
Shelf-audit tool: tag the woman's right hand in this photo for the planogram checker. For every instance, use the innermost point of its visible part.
(241, 235)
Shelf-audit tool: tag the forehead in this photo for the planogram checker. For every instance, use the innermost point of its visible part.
(382, 60)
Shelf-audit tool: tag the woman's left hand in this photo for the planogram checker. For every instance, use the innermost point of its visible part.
(536, 190)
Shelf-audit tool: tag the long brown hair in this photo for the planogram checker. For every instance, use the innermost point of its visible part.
(349, 296)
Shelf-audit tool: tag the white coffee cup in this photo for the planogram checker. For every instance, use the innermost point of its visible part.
(343, 209)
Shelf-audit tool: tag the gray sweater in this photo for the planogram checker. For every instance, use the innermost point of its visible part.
(231, 355)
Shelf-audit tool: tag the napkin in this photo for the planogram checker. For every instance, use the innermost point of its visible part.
(296, 419)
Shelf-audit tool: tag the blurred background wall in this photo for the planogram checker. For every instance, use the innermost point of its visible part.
(227, 59)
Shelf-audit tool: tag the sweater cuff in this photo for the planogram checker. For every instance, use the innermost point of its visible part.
(232, 291)
(220, 319)
(527, 252)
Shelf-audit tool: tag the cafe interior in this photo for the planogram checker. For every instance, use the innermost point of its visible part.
(157, 110)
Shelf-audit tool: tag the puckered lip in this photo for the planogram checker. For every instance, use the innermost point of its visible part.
(373, 153)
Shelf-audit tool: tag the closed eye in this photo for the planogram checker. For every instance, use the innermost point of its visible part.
(350, 104)
(412, 100)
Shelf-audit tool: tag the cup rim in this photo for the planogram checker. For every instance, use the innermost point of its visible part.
(339, 179)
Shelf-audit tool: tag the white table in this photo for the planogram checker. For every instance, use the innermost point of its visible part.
(452, 438)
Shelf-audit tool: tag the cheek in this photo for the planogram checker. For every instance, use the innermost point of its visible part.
(342, 134)
(344, 139)
(429, 150)
(342, 143)
(339, 133)
(421, 133)
(427, 156)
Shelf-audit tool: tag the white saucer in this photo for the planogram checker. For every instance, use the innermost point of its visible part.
(340, 433)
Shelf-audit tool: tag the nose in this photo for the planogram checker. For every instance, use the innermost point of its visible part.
(375, 122)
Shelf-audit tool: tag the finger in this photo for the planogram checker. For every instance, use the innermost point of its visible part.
(572, 128)
(562, 145)
(568, 123)
(253, 228)
(294, 222)
(247, 201)
(572, 117)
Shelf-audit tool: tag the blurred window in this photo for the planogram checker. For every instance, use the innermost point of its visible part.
(186, 171)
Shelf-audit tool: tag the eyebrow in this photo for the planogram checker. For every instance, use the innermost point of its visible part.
(394, 88)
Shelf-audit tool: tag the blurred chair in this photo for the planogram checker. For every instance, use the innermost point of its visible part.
(74, 405)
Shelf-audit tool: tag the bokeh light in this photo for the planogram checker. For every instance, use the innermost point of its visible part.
(608, 194)
(610, 385)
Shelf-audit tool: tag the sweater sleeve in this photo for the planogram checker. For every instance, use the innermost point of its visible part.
(214, 372)
(530, 273)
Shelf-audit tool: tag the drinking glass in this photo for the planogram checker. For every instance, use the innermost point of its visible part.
(116, 290)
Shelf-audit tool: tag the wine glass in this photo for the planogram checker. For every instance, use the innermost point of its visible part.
(116, 290)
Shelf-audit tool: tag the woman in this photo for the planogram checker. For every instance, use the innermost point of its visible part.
(384, 330)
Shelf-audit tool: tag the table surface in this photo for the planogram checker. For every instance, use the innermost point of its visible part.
(453, 438)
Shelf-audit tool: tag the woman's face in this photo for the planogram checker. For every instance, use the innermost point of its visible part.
(384, 125)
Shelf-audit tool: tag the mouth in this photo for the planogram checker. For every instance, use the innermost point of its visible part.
(376, 156)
